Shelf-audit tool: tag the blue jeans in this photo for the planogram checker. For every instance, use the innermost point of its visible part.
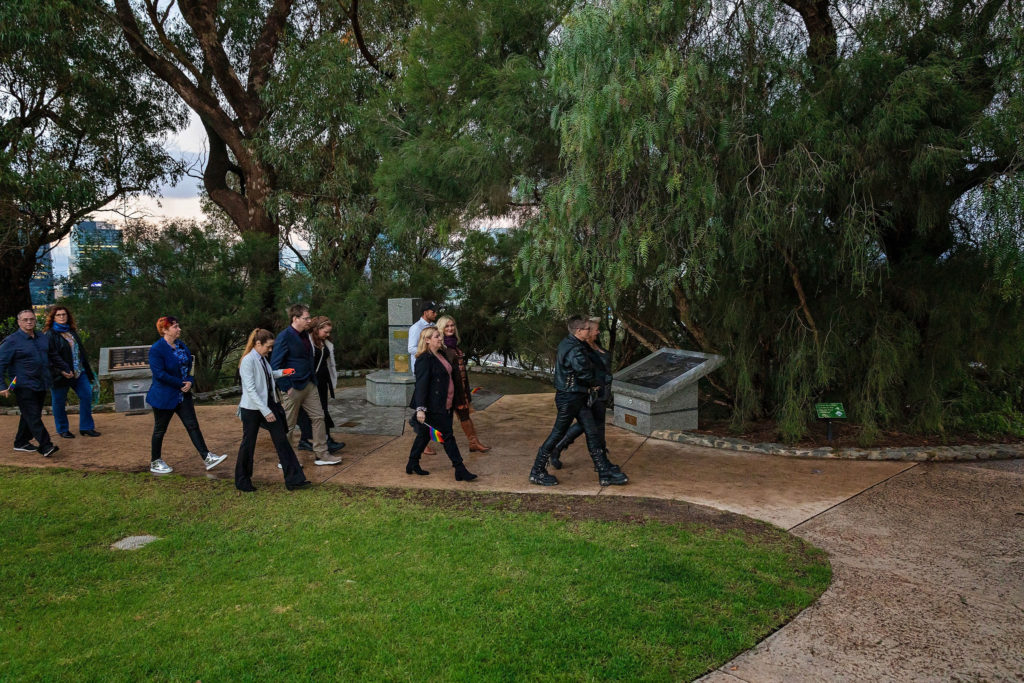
(83, 388)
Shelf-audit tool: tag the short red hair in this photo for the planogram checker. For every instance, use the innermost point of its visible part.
(163, 323)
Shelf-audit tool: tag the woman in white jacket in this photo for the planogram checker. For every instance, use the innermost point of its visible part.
(261, 407)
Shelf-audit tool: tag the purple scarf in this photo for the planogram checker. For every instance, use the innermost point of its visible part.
(451, 341)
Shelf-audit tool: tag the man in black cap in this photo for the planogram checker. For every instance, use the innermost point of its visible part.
(428, 314)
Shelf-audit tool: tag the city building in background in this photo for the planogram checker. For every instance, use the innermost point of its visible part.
(90, 238)
(41, 285)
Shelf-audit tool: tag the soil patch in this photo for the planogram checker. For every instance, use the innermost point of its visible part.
(847, 436)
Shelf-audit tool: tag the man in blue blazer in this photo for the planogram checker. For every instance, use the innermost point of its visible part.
(294, 349)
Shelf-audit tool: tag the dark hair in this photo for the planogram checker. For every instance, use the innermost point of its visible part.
(50, 314)
(576, 323)
(296, 311)
(316, 324)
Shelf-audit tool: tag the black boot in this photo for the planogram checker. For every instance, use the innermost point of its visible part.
(539, 473)
(611, 465)
(556, 455)
(462, 474)
(413, 467)
(605, 474)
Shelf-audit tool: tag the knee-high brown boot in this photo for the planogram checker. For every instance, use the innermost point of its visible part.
(474, 442)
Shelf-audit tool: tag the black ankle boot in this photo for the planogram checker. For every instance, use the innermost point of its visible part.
(611, 465)
(413, 467)
(606, 476)
(462, 474)
(539, 473)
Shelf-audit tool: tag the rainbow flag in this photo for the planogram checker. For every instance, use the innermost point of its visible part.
(476, 390)
(434, 434)
(14, 382)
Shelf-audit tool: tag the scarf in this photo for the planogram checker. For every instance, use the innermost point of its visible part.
(61, 327)
(451, 341)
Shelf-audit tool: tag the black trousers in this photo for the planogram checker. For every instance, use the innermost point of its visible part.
(570, 407)
(306, 425)
(30, 403)
(597, 411)
(186, 410)
(442, 422)
(252, 420)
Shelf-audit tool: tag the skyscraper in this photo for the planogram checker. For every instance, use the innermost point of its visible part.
(90, 238)
(41, 285)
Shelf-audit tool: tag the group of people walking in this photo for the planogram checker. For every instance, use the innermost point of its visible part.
(286, 381)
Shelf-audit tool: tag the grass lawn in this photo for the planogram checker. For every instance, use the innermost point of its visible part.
(345, 583)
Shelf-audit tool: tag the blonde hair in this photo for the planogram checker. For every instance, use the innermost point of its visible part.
(425, 334)
(257, 335)
(442, 321)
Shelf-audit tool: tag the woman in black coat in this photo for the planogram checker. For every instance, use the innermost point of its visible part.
(64, 340)
(432, 400)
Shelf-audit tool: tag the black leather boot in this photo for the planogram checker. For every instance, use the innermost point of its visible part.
(462, 474)
(539, 473)
(613, 466)
(605, 474)
(413, 467)
(556, 455)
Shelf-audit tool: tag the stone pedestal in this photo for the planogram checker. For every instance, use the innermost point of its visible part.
(660, 391)
(394, 386)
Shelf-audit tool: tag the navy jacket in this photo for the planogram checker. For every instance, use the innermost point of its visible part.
(29, 359)
(59, 344)
(165, 391)
(432, 379)
(290, 352)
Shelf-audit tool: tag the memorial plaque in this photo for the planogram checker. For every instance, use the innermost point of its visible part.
(631, 419)
(400, 334)
(401, 362)
(129, 358)
(660, 371)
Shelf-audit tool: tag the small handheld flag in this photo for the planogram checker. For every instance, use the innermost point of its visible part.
(476, 390)
(434, 434)
(14, 382)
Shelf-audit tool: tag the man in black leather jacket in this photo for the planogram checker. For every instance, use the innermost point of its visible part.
(576, 377)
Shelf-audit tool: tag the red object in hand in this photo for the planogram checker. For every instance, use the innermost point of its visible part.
(288, 371)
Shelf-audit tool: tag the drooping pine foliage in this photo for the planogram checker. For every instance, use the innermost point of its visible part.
(836, 207)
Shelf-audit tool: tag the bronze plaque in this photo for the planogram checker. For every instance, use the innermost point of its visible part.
(631, 419)
(400, 334)
(401, 362)
(131, 358)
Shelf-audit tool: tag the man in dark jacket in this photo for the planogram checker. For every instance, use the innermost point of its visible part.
(294, 349)
(26, 357)
(576, 377)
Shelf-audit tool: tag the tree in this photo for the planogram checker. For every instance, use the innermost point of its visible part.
(198, 273)
(828, 194)
(80, 127)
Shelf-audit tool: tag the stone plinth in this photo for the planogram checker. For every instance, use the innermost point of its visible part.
(386, 388)
(393, 387)
(660, 392)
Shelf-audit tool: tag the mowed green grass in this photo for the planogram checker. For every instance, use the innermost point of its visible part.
(335, 583)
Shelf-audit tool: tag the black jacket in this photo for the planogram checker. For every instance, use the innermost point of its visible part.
(432, 379)
(60, 346)
(575, 371)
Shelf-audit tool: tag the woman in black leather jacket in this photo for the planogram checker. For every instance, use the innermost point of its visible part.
(432, 399)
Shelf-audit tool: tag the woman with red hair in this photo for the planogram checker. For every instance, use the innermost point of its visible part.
(170, 361)
(64, 341)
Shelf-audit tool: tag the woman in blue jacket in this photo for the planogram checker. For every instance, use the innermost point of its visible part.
(171, 392)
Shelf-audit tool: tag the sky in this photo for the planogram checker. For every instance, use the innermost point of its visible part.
(173, 201)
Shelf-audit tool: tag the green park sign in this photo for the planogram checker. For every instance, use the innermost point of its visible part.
(830, 411)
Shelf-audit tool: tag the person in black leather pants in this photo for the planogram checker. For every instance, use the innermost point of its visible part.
(576, 379)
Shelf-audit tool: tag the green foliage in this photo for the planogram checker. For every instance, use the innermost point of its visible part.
(198, 274)
(348, 584)
(80, 126)
(847, 227)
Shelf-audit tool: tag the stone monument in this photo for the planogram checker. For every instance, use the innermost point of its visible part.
(394, 386)
(660, 391)
(128, 368)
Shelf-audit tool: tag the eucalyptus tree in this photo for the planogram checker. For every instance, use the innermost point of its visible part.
(80, 127)
(829, 193)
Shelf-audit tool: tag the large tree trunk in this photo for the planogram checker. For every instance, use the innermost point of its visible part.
(16, 273)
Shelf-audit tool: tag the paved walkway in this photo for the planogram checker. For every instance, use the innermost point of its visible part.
(928, 559)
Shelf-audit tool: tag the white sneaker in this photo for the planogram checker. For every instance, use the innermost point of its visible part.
(212, 460)
(327, 461)
(160, 467)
